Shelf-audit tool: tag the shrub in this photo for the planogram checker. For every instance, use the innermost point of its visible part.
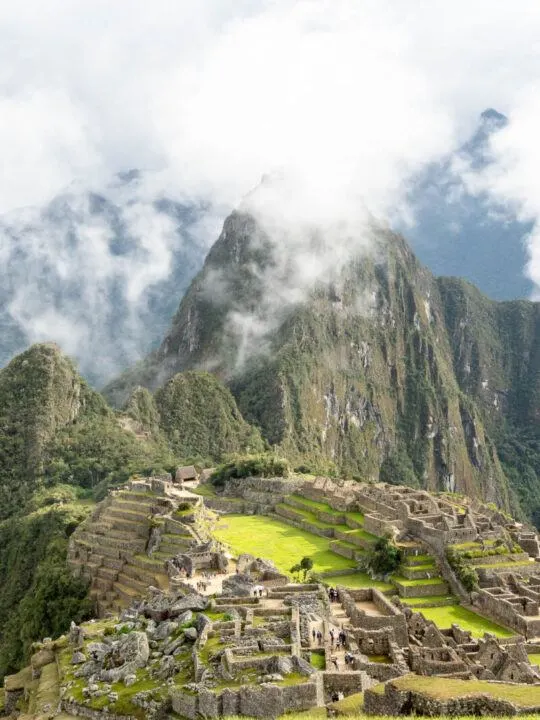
(466, 574)
(263, 465)
(383, 558)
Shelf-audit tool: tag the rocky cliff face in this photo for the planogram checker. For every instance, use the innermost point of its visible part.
(364, 367)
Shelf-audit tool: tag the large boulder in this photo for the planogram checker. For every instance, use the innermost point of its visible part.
(238, 585)
(133, 648)
(193, 602)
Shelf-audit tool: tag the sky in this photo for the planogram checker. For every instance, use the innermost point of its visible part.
(348, 98)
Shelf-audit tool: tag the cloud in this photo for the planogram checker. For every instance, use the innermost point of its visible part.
(346, 100)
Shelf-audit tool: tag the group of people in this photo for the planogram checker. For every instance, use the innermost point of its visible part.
(258, 591)
(333, 594)
(337, 696)
(340, 640)
(317, 635)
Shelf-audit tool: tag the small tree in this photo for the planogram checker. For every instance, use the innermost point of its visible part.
(384, 557)
(295, 570)
(306, 564)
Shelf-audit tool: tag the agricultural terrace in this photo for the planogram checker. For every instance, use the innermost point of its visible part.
(285, 545)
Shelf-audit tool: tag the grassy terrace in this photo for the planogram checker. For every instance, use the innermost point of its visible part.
(308, 516)
(314, 505)
(205, 490)
(418, 583)
(447, 688)
(357, 580)
(446, 615)
(282, 543)
(417, 602)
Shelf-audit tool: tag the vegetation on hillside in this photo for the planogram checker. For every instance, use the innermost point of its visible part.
(39, 596)
(383, 558)
(200, 418)
(241, 466)
(465, 573)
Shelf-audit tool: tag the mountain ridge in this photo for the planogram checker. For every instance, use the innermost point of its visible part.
(338, 387)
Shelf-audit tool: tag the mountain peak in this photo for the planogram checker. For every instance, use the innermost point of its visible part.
(493, 116)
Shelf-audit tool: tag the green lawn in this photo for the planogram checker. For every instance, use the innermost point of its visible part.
(307, 516)
(285, 545)
(357, 580)
(206, 490)
(534, 658)
(444, 616)
(448, 688)
(419, 601)
(416, 583)
(314, 505)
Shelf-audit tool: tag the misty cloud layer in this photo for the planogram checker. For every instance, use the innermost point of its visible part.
(347, 99)
(98, 271)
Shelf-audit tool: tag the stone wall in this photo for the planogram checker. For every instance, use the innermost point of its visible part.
(378, 525)
(394, 701)
(391, 617)
(266, 700)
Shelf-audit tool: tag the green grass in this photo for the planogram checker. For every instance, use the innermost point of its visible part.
(323, 507)
(419, 601)
(358, 532)
(449, 688)
(534, 658)
(317, 660)
(357, 580)
(444, 616)
(350, 706)
(494, 566)
(307, 516)
(284, 545)
(205, 490)
(315, 505)
(358, 516)
(472, 545)
(384, 659)
(421, 568)
(418, 583)
(420, 559)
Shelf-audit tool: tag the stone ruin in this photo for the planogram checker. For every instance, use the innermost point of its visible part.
(253, 655)
(513, 601)
(251, 649)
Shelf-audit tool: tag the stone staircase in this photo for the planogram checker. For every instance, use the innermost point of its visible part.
(109, 548)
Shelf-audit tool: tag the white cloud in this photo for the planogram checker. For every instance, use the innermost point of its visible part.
(347, 98)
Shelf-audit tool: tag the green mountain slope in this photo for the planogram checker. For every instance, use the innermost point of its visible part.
(61, 447)
(361, 373)
(199, 416)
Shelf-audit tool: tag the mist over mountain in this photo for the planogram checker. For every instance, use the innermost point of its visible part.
(460, 232)
(99, 270)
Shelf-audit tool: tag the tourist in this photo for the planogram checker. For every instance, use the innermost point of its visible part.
(340, 695)
(334, 662)
(331, 638)
(314, 634)
(319, 637)
(334, 696)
